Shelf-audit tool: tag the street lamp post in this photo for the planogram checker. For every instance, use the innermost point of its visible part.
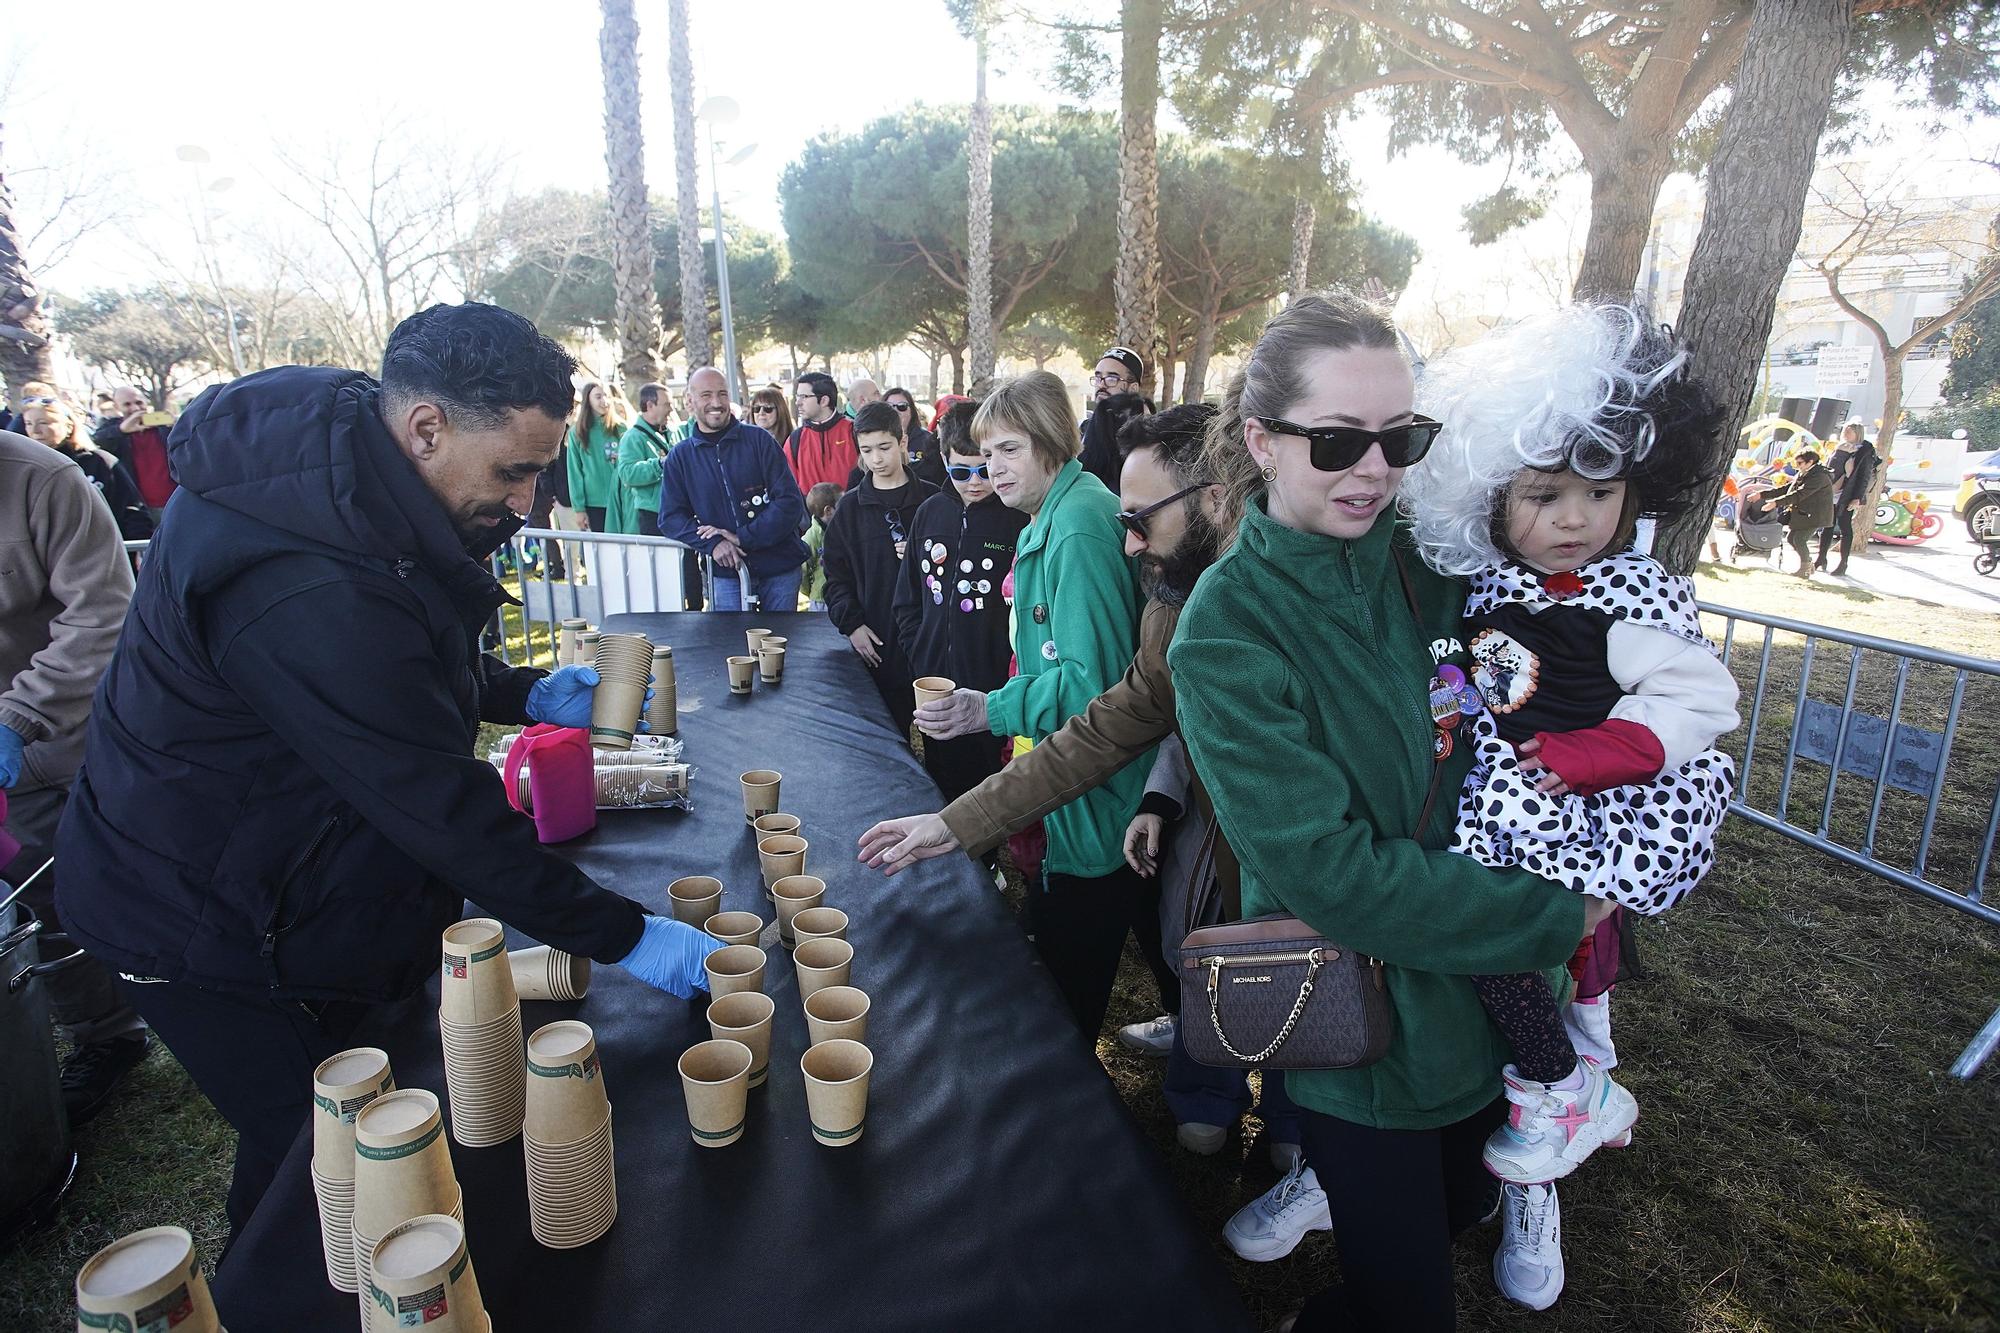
(720, 111)
(197, 157)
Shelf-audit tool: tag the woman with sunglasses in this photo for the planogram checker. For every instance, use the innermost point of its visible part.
(769, 409)
(1302, 666)
(926, 455)
(1076, 618)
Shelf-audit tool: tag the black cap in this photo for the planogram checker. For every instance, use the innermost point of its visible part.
(1128, 358)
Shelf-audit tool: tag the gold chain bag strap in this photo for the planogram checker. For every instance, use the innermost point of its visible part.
(1270, 992)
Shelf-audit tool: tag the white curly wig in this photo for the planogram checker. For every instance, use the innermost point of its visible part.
(1578, 388)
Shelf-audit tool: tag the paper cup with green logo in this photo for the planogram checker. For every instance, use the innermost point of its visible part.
(146, 1282)
(795, 894)
(735, 927)
(715, 1076)
(342, 1085)
(733, 968)
(476, 985)
(402, 1163)
(837, 1089)
(822, 963)
(836, 1013)
(745, 1017)
(566, 1096)
(760, 793)
(420, 1276)
(614, 713)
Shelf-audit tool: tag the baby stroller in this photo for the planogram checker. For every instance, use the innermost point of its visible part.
(1760, 527)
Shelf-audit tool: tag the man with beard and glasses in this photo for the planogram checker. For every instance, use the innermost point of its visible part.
(279, 810)
(1169, 509)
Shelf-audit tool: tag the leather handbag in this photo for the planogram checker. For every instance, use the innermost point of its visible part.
(1271, 992)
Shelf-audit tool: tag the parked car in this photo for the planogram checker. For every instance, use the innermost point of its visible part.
(1978, 500)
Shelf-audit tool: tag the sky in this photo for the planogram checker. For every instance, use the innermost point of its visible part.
(523, 79)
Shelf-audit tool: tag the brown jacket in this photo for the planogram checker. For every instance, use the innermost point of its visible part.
(1120, 725)
(64, 587)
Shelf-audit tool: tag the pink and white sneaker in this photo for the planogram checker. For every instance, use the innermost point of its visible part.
(1552, 1129)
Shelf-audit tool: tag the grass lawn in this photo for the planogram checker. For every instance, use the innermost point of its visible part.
(1803, 1160)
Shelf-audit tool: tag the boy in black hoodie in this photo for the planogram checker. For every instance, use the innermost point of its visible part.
(863, 556)
(950, 615)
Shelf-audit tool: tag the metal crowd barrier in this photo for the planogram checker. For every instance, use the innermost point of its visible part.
(1939, 787)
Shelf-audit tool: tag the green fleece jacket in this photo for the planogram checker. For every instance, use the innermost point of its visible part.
(1301, 681)
(1075, 625)
(593, 474)
(637, 490)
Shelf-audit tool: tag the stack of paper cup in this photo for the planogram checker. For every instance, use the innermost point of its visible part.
(149, 1280)
(663, 714)
(479, 1017)
(624, 661)
(542, 973)
(629, 786)
(572, 1188)
(422, 1278)
(402, 1169)
(566, 641)
(342, 1085)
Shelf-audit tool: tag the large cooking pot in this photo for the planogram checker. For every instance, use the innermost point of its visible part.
(38, 1165)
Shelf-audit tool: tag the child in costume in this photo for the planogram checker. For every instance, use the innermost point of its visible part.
(1595, 699)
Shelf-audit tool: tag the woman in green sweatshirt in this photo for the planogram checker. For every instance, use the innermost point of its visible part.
(1301, 667)
(601, 417)
(1075, 626)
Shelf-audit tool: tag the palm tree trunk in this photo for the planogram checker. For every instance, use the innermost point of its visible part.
(979, 232)
(687, 193)
(638, 306)
(24, 328)
(1135, 281)
(1756, 202)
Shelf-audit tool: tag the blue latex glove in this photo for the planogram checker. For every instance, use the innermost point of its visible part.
(563, 697)
(10, 756)
(669, 955)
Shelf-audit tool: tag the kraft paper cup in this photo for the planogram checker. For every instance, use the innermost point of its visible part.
(625, 653)
(733, 968)
(837, 1089)
(566, 1097)
(614, 713)
(342, 1085)
(364, 1256)
(780, 855)
(795, 894)
(148, 1281)
(755, 638)
(663, 717)
(814, 923)
(477, 984)
(742, 670)
(760, 793)
(771, 664)
(542, 973)
(420, 1276)
(770, 826)
(572, 1189)
(774, 641)
(336, 1230)
(932, 688)
(484, 1078)
(402, 1163)
(837, 1013)
(823, 963)
(696, 898)
(735, 927)
(586, 647)
(745, 1017)
(715, 1076)
(566, 640)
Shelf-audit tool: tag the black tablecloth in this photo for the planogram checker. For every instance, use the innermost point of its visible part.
(1000, 1182)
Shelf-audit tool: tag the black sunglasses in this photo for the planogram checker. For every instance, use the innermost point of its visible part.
(1134, 520)
(900, 407)
(967, 471)
(1338, 448)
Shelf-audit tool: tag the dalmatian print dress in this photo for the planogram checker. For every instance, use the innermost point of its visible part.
(1642, 846)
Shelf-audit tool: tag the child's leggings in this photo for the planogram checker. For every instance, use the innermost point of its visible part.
(1524, 1009)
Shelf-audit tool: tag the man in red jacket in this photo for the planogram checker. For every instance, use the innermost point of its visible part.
(822, 448)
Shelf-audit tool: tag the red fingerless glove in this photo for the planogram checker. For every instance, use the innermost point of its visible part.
(1611, 754)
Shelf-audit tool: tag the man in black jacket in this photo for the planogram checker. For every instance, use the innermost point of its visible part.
(279, 809)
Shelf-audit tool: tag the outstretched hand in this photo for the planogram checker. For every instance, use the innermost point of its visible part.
(894, 845)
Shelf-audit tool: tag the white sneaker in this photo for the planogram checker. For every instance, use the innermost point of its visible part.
(1551, 1130)
(1202, 1140)
(1155, 1036)
(1271, 1225)
(1588, 1023)
(1528, 1266)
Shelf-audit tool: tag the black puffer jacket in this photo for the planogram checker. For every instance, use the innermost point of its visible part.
(278, 791)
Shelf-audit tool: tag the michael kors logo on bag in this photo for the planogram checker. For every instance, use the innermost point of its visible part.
(1246, 981)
